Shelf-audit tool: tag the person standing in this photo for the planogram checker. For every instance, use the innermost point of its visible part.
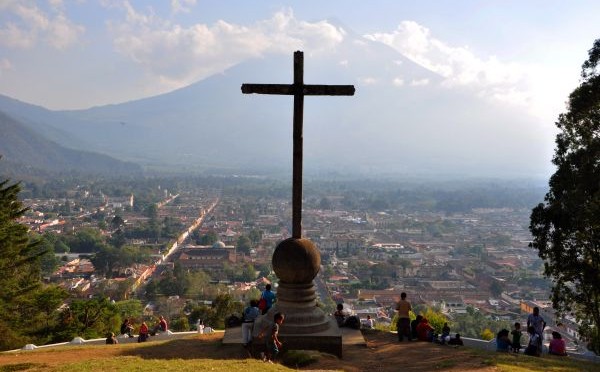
(273, 343)
(403, 308)
(268, 297)
(516, 340)
(250, 314)
(538, 323)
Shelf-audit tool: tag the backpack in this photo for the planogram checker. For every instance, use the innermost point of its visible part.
(262, 304)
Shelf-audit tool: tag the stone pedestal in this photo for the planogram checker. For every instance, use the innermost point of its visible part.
(296, 262)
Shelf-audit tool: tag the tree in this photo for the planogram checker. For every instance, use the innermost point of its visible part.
(18, 264)
(209, 238)
(566, 227)
(243, 244)
(496, 289)
(89, 319)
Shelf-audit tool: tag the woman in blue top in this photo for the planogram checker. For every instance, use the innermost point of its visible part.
(269, 298)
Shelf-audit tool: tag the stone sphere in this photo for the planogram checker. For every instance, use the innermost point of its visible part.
(296, 261)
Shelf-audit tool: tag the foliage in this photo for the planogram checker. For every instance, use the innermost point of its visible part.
(474, 322)
(19, 265)
(566, 227)
(180, 324)
(129, 308)
(244, 244)
(88, 319)
(223, 306)
(487, 334)
(209, 238)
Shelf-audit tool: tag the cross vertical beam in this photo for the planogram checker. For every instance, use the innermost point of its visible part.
(298, 90)
(298, 145)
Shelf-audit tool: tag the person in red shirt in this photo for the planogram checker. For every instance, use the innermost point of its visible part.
(557, 345)
(161, 326)
(424, 330)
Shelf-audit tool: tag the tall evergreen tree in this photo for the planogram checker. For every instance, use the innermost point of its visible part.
(18, 264)
(566, 227)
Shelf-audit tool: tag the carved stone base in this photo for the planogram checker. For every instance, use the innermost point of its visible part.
(305, 327)
(301, 331)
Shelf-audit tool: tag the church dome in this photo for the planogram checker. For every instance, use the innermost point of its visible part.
(219, 245)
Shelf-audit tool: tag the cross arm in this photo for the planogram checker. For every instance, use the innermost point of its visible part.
(290, 89)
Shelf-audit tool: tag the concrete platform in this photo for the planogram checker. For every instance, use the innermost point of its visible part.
(233, 336)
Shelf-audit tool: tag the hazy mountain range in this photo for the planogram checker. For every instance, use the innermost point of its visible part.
(402, 120)
(25, 151)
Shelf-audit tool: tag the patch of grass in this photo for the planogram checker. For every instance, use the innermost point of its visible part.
(130, 363)
(19, 367)
(488, 362)
(446, 364)
(506, 362)
(300, 358)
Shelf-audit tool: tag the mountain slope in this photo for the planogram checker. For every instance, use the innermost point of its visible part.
(402, 119)
(20, 146)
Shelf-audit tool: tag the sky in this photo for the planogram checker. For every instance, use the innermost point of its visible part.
(77, 54)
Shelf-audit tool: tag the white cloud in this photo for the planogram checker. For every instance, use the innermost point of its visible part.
(398, 82)
(368, 80)
(175, 55)
(182, 6)
(459, 66)
(5, 65)
(419, 82)
(344, 63)
(30, 24)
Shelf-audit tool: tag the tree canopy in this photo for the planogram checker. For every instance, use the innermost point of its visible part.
(566, 227)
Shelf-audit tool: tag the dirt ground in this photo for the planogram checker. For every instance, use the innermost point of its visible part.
(382, 353)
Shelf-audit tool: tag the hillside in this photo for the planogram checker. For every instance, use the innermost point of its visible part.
(205, 352)
(23, 149)
(402, 119)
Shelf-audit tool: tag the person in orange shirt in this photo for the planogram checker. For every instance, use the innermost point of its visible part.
(403, 308)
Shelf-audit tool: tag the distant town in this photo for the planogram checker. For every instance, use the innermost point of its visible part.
(474, 263)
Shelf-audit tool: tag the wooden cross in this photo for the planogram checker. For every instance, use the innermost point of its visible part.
(298, 90)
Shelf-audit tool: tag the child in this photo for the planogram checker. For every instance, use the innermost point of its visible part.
(516, 337)
(445, 334)
(273, 343)
(534, 340)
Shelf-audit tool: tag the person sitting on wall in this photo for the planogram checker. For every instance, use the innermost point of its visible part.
(424, 330)
(340, 315)
(456, 340)
(161, 326)
(111, 339)
(557, 345)
(126, 328)
(503, 341)
(413, 326)
(369, 323)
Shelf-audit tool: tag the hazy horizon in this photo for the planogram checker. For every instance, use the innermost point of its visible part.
(461, 89)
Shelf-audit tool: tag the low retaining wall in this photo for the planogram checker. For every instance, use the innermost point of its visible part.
(491, 346)
(123, 339)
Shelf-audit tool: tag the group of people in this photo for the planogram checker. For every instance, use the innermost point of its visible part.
(271, 336)
(144, 332)
(420, 329)
(535, 330)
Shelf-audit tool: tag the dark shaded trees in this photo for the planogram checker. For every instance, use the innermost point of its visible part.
(566, 227)
(27, 309)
